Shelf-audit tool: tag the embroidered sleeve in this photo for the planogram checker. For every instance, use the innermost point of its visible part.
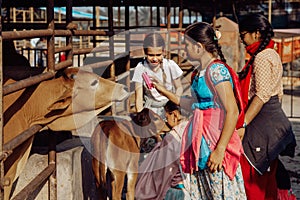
(219, 73)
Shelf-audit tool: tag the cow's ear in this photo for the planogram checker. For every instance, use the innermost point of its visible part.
(62, 102)
(70, 73)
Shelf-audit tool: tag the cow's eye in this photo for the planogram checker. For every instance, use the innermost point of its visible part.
(73, 76)
(94, 83)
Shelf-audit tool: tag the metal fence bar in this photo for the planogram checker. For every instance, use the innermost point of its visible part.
(1, 116)
(22, 137)
(7, 89)
(64, 64)
(27, 34)
(36, 182)
(13, 35)
(52, 67)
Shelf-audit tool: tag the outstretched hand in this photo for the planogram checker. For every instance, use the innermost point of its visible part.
(159, 87)
(156, 80)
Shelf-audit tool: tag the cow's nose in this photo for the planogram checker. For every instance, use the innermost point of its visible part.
(121, 94)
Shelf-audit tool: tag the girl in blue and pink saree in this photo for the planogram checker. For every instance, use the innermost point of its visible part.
(213, 124)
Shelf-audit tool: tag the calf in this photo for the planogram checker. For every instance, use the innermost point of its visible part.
(64, 103)
(116, 151)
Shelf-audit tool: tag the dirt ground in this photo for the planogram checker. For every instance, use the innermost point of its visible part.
(293, 164)
(290, 104)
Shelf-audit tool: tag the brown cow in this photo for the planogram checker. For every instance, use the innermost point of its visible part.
(64, 103)
(116, 151)
(15, 65)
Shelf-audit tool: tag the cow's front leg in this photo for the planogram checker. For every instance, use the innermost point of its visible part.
(100, 183)
(117, 184)
(131, 181)
(96, 167)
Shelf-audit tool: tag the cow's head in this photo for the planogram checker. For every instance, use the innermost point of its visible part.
(147, 123)
(65, 103)
(88, 91)
(86, 95)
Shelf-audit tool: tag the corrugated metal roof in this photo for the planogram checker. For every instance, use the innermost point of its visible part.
(76, 13)
(191, 4)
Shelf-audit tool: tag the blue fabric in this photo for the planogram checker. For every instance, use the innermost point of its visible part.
(204, 154)
(174, 193)
(219, 73)
(179, 186)
(190, 134)
(204, 149)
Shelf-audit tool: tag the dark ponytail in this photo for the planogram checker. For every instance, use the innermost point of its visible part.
(204, 33)
(251, 24)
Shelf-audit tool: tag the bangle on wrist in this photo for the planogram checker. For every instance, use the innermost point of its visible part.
(244, 125)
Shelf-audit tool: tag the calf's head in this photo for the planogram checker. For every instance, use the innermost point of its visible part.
(147, 123)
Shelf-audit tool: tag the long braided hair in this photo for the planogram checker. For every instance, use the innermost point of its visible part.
(251, 24)
(205, 34)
